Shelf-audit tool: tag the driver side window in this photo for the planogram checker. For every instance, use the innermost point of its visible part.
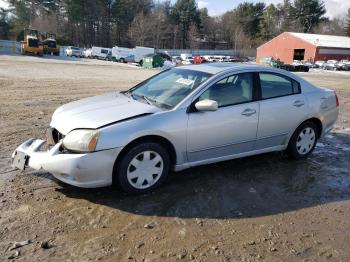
(232, 90)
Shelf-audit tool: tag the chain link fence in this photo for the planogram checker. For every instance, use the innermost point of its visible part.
(10, 47)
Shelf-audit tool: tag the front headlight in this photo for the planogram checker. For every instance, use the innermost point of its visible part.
(81, 140)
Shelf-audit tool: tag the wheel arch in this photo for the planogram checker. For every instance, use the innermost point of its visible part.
(292, 149)
(314, 120)
(150, 138)
(318, 124)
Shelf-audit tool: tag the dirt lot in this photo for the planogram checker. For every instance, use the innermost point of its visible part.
(262, 208)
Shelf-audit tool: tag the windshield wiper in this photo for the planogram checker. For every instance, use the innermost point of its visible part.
(129, 94)
(148, 100)
(145, 98)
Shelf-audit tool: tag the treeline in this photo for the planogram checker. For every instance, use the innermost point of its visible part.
(161, 24)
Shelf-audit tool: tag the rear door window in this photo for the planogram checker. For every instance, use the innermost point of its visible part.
(275, 85)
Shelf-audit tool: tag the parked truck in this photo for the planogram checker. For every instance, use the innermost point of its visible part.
(141, 52)
(131, 55)
(31, 43)
(123, 54)
(50, 44)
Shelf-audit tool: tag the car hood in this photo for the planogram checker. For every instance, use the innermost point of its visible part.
(95, 112)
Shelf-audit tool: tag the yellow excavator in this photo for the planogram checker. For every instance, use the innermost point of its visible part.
(50, 44)
(31, 43)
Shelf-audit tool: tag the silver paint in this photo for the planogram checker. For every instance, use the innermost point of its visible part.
(198, 138)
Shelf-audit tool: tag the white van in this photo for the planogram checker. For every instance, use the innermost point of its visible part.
(99, 52)
(123, 54)
(185, 57)
(141, 52)
(131, 55)
(87, 53)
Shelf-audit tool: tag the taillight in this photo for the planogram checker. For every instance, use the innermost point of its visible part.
(336, 99)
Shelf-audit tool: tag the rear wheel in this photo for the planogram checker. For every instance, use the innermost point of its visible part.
(142, 168)
(303, 141)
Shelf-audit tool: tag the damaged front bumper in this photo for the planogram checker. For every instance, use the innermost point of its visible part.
(86, 170)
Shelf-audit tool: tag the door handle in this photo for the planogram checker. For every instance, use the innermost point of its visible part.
(249, 112)
(298, 103)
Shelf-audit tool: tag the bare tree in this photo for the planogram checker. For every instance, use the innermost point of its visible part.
(331, 27)
(139, 29)
(193, 37)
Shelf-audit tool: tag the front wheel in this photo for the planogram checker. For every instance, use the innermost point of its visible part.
(143, 168)
(303, 141)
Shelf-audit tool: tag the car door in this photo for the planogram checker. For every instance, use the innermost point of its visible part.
(282, 108)
(229, 130)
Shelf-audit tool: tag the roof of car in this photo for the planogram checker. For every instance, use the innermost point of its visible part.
(215, 68)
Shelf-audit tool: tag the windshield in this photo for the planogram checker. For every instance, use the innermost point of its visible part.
(33, 42)
(51, 44)
(170, 87)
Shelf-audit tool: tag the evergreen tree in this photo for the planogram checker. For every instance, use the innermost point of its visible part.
(164, 24)
(347, 27)
(249, 16)
(308, 13)
(5, 26)
(185, 13)
(268, 28)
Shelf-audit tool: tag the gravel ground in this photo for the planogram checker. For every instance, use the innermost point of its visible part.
(261, 208)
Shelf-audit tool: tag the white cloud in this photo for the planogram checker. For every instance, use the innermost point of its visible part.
(217, 12)
(337, 8)
(202, 4)
(334, 8)
(3, 4)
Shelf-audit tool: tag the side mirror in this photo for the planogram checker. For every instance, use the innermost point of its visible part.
(206, 105)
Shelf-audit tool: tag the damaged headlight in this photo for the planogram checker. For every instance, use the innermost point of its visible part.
(81, 140)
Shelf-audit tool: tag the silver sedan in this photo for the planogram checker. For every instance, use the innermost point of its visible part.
(180, 118)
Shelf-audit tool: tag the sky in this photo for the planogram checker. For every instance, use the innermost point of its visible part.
(335, 8)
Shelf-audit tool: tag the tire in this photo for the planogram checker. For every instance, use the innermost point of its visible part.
(299, 149)
(125, 176)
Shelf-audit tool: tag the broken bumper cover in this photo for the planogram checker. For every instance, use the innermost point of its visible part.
(88, 170)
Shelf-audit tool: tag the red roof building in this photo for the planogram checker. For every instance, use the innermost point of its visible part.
(310, 47)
